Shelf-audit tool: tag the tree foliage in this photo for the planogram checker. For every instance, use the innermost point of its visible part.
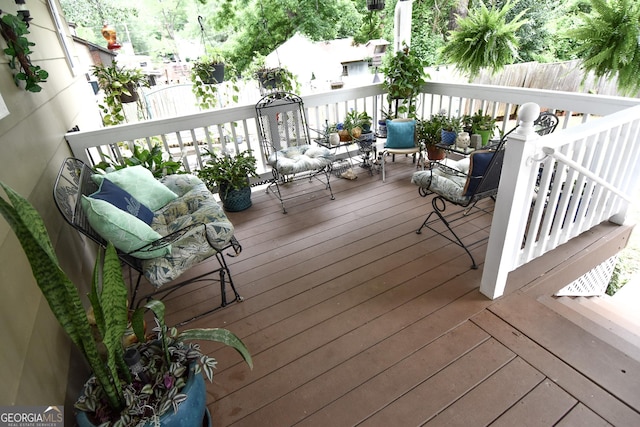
(240, 28)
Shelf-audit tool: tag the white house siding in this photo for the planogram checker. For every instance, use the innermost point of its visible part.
(35, 350)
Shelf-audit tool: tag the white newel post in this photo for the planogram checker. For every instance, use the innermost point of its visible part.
(510, 213)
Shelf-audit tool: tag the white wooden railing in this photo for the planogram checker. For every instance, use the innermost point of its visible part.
(555, 187)
(589, 125)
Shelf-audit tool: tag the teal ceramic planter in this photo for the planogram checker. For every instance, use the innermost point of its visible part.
(191, 412)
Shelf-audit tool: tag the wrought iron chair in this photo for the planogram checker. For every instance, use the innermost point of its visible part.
(186, 239)
(465, 182)
(284, 135)
(546, 123)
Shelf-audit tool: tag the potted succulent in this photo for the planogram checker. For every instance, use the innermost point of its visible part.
(404, 77)
(428, 133)
(231, 175)
(149, 382)
(120, 86)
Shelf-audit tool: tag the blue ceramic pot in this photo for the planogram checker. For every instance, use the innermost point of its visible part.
(448, 137)
(235, 200)
(191, 412)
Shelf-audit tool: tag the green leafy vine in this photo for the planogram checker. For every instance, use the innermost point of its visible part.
(13, 30)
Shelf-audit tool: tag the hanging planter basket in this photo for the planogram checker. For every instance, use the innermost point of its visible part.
(215, 75)
(126, 99)
(375, 4)
(269, 79)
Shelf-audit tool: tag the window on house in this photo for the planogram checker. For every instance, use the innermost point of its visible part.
(345, 70)
(62, 32)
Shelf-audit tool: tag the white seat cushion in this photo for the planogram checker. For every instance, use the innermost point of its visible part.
(300, 159)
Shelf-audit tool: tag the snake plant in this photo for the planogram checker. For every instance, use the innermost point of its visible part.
(113, 393)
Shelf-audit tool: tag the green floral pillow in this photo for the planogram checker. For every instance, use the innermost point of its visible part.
(125, 231)
(141, 184)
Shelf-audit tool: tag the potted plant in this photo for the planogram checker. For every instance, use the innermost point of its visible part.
(607, 42)
(151, 159)
(331, 135)
(484, 39)
(428, 133)
(14, 30)
(120, 86)
(206, 74)
(450, 128)
(273, 78)
(356, 123)
(481, 124)
(209, 68)
(404, 77)
(149, 382)
(231, 175)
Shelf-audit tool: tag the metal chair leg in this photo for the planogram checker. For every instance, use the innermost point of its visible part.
(439, 206)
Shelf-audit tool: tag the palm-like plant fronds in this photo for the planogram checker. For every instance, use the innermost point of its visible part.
(484, 39)
(609, 42)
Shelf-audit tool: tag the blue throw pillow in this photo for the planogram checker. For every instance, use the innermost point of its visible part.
(479, 162)
(109, 192)
(400, 134)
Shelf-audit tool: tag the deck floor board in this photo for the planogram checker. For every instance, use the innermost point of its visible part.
(354, 319)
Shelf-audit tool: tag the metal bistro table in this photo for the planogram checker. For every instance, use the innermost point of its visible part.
(366, 150)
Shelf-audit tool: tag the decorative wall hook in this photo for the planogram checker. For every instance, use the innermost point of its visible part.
(23, 12)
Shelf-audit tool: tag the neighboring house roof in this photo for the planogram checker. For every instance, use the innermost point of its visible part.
(93, 46)
(324, 59)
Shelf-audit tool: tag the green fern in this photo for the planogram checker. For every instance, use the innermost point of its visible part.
(484, 39)
(609, 42)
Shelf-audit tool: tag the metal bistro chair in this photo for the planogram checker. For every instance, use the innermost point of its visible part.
(462, 183)
(192, 237)
(465, 182)
(284, 135)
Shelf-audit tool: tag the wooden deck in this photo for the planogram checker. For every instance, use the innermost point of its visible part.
(354, 319)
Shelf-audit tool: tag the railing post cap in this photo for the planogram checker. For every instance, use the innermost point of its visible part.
(528, 113)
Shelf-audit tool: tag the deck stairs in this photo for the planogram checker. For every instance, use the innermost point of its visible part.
(613, 319)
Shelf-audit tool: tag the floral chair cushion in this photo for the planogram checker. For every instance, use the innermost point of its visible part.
(195, 205)
(449, 181)
(300, 159)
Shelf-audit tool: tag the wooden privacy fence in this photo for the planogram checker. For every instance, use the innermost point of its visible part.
(566, 76)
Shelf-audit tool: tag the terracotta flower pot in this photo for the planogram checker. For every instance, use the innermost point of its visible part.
(344, 135)
(435, 153)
